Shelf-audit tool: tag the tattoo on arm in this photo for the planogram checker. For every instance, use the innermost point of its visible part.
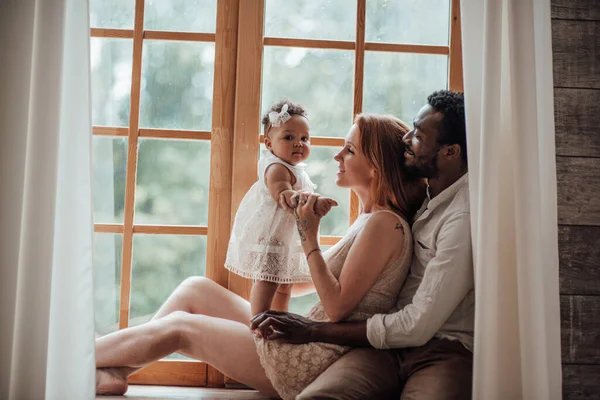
(301, 225)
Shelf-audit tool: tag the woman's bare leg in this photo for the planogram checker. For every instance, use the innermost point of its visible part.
(195, 295)
(200, 295)
(227, 345)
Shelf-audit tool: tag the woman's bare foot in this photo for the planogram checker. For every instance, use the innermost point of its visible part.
(110, 381)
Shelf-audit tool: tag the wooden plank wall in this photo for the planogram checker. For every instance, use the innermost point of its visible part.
(576, 52)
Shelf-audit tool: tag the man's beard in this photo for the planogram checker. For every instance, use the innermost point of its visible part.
(423, 169)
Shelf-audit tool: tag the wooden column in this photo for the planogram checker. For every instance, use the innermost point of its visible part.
(247, 112)
(221, 151)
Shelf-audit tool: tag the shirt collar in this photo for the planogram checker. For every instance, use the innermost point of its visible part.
(447, 193)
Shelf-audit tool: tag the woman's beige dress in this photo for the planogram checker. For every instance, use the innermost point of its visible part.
(292, 367)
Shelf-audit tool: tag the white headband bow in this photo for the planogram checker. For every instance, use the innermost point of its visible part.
(278, 118)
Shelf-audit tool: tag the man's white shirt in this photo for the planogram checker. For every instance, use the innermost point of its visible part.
(437, 299)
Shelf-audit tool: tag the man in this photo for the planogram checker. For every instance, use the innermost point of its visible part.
(432, 331)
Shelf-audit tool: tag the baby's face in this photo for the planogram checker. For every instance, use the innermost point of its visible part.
(290, 141)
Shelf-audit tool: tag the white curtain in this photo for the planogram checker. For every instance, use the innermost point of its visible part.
(510, 126)
(46, 288)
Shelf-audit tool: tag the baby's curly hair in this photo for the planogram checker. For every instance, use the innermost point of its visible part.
(293, 109)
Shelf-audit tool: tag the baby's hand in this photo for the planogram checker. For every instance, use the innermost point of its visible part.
(323, 205)
(286, 201)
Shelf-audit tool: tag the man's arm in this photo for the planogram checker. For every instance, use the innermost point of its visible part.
(447, 280)
(342, 333)
(294, 328)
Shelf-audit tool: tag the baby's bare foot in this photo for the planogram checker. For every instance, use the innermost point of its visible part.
(110, 381)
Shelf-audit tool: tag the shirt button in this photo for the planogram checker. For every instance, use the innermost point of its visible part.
(429, 299)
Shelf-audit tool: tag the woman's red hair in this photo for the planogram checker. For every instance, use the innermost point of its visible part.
(381, 143)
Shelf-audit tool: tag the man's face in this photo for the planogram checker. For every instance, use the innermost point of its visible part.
(422, 148)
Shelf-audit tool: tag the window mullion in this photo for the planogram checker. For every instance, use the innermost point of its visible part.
(455, 75)
(359, 72)
(125, 295)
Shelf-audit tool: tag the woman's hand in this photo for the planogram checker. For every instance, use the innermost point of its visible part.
(287, 202)
(307, 220)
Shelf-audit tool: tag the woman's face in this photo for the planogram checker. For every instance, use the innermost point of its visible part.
(354, 170)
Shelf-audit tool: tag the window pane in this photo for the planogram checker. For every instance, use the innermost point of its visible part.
(177, 85)
(181, 15)
(110, 163)
(408, 21)
(107, 278)
(160, 264)
(116, 14)
(301, 305)
(172, 182)
(320, 80)
(311, 19)
(399, 83)
(322, 169)
(111, 80)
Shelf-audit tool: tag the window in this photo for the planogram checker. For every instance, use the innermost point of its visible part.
(178, 90)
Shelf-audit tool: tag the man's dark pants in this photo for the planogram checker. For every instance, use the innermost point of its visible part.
(439, 370)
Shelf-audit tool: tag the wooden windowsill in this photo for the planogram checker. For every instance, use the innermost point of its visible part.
(185, 393)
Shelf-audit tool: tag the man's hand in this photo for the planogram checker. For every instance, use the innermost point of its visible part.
(323, 205)
(291, 328)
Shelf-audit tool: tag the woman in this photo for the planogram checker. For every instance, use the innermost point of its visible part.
(358, 277)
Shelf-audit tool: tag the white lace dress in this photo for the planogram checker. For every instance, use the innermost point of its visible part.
(292, 367)
(265, 244)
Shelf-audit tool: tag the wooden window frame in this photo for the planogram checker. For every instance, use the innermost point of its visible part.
(234, 142)
(183, 373)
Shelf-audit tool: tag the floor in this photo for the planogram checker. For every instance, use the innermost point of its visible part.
(185, 393)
